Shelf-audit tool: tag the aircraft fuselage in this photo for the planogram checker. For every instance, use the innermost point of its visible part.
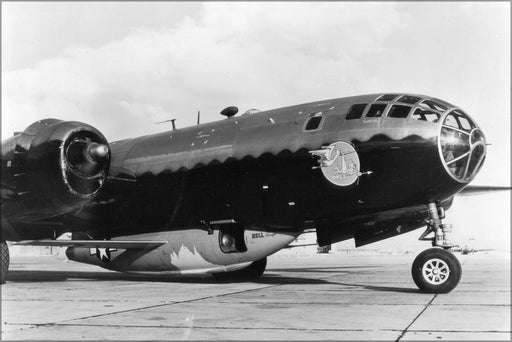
(257, 170)
(222, 196)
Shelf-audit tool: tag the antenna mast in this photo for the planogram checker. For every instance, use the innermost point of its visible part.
(171, 120)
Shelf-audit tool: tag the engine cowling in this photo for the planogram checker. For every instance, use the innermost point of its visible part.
(51, 168)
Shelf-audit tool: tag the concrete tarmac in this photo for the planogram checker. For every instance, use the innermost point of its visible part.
(320, 296)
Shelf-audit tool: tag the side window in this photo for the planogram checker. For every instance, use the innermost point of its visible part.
(458, 121)
(451, 121)
(409, 99)
(398, 111)
(387, 97)
(435, 105)
(465, 124)
(376, 110)
(425, 115)
(314, 122)
(356, 111)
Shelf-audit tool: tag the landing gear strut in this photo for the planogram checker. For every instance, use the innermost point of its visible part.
(4, 255)
(436, 270)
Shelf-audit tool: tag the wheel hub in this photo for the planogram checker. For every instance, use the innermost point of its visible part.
(435, 271)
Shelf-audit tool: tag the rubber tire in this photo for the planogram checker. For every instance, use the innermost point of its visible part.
(254, 271)
(436, 253)
(4, 260)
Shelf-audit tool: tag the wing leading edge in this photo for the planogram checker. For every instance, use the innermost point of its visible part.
(479, 189)
(94, 243)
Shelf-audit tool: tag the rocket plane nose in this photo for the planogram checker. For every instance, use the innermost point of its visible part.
(70, 253)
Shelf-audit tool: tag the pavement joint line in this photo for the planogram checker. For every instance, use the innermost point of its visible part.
(367, 304)
(415, 318)
(29, 326)
(79, 301)
(160, 305)
(461, 331)
(207, 327)
(268, 328)
(168, 303)
(456, 304)
(258, 328)
(316, 303)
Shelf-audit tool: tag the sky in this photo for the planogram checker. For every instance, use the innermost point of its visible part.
(123, 66)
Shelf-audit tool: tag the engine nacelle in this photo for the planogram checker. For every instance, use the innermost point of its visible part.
(51, 168)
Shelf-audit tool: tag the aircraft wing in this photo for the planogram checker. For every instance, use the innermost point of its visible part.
(94, 243)
(477, 190)
(304, 245)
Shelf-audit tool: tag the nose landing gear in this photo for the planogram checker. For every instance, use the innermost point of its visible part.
(436, 270)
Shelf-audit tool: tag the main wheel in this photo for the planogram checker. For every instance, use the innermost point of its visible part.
(253, 271)
(436, 270)
(4, 256)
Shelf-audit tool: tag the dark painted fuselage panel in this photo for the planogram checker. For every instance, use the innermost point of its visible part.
(257, 170)
(339, 164)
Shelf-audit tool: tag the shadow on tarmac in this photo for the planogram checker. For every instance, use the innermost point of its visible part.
(269, 278)
(334, 269)
(29, 276)
(383, 288)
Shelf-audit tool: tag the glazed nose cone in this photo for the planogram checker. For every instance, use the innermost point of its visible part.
(462, 145)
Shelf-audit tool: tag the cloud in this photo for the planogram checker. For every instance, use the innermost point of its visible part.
(267, 55)
(259, 55)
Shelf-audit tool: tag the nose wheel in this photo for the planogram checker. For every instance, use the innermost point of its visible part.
(436, 270)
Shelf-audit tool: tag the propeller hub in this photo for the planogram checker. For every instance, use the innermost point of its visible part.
(97, 152)
(87, 157)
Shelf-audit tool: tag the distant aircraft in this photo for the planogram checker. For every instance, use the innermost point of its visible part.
(469, 250)
(323, 249)
(220, 197)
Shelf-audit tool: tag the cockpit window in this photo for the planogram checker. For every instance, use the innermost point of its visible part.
(462, 146)
(409, 99)
(425, 115)
(399, 111)
(376, 110)
(387, 97)
(435, 105)
(465, 124)
(457, 119)
(356, 111)
(443, 103)
(451, 121)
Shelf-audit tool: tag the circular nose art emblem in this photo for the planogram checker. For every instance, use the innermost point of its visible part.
(339, 163)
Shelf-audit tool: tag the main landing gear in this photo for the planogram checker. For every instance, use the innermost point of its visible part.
(436, 270)
(4, 255)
